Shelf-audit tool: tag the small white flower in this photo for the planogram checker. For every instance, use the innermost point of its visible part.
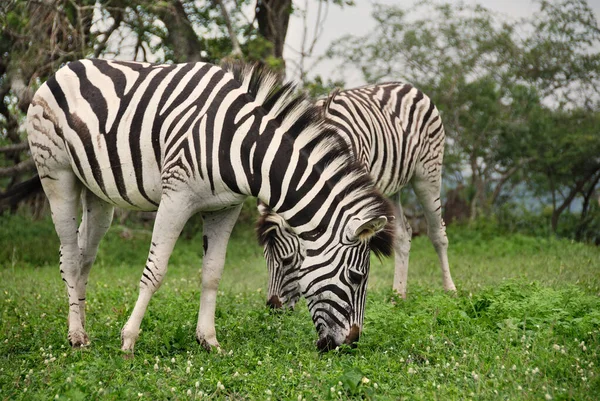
(548, 397)
(187, 370)
(365, 380)
(475, 376)
(189, 392)
(56, 397)
(172, 389)
(220, 386)
(556, 347)
(156, 366)
(375, 385)
(411, 371)
(140, 395)
(236, 374)
(259, 363)
(197, 384)
(268, 392)
(332, 389)
(69, 379)
(172, 360)
(519, 388)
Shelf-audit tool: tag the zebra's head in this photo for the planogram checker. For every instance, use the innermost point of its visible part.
(333, 276)
(284, 254)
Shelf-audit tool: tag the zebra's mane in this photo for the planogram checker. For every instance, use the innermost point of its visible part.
(291, 108)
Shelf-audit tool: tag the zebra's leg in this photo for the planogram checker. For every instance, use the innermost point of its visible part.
(172, 214)
(428, 193)
(401, 250)
(63, 190)
(216, 229)
(96, 219)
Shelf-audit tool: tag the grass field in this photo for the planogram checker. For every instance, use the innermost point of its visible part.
(525, 325)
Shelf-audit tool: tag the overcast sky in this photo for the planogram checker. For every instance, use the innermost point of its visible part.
(357, 20)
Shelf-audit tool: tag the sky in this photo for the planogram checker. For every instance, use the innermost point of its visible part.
(357, 20)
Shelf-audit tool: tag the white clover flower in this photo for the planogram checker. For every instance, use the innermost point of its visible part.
(375, 385)
(156, 366)
(268, 392)
(187, 370)
(173, 389)
(475, 376)
(365, 380)
(172, 360)
(189, 392)
(236, 374)
(220, 386)
(519, 388)
(197, 384)
(556, 347)
(69, 380)
(411, 371)
(140, 395)
(548, 396)
(259, 363)
(332, 389)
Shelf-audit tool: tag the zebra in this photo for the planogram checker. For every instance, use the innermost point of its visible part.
(191, 138)
(396, 133)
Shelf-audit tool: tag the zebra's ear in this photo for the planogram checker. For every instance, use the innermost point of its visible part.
(364, 230)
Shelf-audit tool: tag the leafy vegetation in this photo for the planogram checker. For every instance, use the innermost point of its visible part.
(525, 324)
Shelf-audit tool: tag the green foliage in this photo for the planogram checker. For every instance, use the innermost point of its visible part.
(318, 88)
(524, 324)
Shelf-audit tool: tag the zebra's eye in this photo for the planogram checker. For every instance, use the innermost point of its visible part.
(287, 260)
(356, 276)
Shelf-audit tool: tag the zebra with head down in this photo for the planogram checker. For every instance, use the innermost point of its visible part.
(395, 132)
(195, 137)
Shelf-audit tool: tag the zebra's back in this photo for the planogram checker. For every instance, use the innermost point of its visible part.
(393, 129)
(118, 124)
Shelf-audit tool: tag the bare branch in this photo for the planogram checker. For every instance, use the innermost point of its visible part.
(23, 167)
(237, 50)
(19, 147)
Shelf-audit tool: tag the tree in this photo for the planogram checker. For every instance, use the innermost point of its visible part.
(496, 82)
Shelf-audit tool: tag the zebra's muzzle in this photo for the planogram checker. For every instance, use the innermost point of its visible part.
(326, 344)
(274, 302)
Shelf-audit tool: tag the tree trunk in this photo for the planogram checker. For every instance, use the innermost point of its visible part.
(273, 17)
(181, 35)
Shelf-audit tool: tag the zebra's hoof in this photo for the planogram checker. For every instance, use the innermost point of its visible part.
(78, 339)
(209, 346)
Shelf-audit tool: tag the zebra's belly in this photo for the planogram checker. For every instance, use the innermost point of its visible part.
(126, 189)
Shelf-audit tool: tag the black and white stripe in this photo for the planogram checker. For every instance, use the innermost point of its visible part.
(195, 137)
(395, 132)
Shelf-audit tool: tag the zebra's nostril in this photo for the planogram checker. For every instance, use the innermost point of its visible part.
(353, 336)
(274, 302)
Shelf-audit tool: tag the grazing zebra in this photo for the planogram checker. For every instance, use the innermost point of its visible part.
(195, 137)
(396, 134)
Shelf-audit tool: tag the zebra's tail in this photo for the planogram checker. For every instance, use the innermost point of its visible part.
(19, 192)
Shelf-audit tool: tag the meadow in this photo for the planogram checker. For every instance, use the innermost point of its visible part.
(524, 325)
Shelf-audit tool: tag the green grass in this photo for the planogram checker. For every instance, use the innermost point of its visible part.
(524, 325)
